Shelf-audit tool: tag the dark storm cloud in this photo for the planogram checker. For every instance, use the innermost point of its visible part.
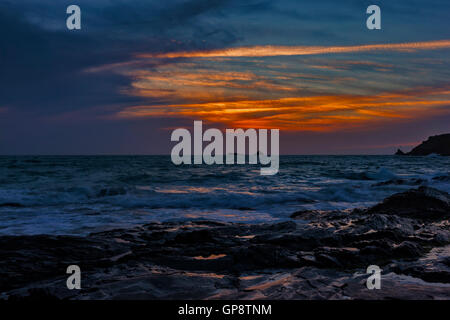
(50, 104)
(42, 70)
(42, 63)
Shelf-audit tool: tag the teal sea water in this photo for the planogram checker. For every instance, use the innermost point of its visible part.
(82, 194)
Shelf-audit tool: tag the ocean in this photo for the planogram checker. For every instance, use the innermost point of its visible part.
(77, 195)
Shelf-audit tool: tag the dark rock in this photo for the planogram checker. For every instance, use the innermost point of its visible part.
(35, 294)
(318, 257)
(327, 261)
(399, 153)
(315, 214)
(304, 214)
(408, 249)
(433, 267)
(439, 144)
(193, 237)
(421, 203)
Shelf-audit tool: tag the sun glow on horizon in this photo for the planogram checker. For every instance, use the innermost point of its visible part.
(313, 113)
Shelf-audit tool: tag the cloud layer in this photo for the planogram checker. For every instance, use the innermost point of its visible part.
(272, 51)
(138, 67)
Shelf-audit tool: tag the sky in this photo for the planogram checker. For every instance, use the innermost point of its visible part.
(138, 69)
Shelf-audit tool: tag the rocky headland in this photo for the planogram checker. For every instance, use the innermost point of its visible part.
(439, 145)
(315, 255)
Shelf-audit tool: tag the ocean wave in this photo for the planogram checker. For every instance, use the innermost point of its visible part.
(380, 174)
(91, 191)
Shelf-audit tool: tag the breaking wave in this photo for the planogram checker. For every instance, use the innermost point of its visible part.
(63, 195)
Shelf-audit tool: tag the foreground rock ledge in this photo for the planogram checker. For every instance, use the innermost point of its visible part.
(316, 255)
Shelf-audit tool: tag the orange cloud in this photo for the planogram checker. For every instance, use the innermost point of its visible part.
(313, 113)
(204, 85)
(270, 51)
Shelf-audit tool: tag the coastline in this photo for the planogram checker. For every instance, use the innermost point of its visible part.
(315, 255)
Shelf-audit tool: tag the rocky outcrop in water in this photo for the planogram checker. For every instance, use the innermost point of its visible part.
(439, 145)
(315, 255)
(422, 203)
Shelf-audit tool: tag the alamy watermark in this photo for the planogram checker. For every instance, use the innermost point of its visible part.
(235, 147)
(373, 22)
(374, 280)
(74, 280)
(73, 22)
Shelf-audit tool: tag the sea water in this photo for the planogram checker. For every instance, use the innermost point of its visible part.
(82, 194)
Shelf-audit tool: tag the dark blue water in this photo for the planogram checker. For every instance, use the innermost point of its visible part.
(78, 195)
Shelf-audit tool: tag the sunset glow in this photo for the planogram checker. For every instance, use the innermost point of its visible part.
(315, 71)
(270, 51)
(315, 113)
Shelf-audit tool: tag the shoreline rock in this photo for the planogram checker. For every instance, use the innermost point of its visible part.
(315, 255)
(422, 203)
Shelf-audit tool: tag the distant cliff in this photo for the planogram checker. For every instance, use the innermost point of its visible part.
(439, 144)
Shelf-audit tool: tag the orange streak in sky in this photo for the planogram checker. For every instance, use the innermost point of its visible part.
(270, 51)
(316, 113)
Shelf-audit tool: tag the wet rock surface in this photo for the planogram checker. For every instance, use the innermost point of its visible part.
(422, 203)
(315, 255)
